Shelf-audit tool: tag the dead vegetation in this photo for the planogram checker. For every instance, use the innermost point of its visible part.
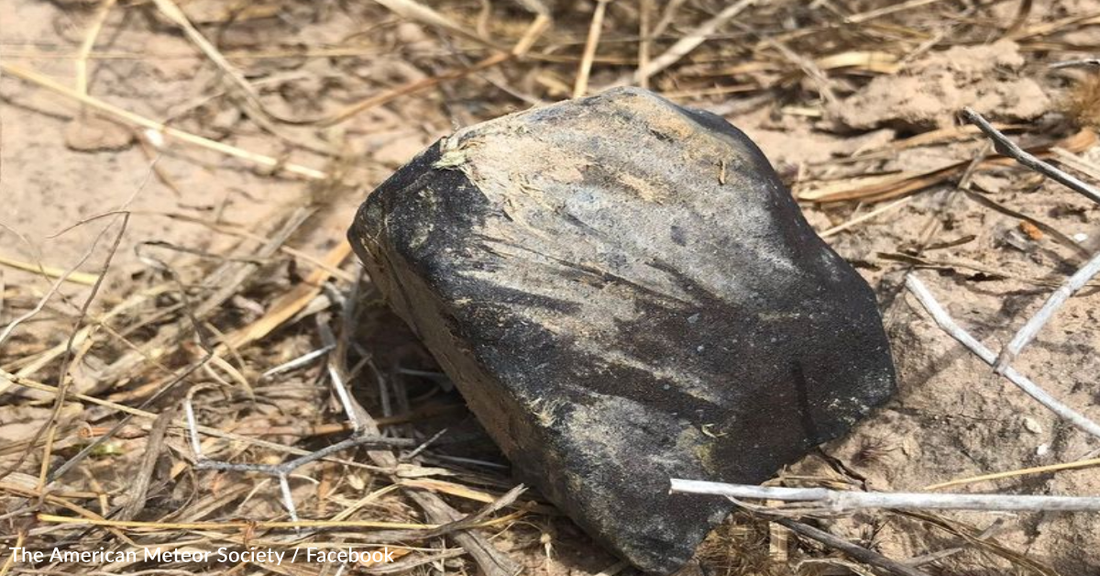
(178, 176)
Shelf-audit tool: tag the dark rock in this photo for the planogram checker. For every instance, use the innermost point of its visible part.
(624, 292)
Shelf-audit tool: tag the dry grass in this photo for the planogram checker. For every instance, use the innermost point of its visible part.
(89, 403)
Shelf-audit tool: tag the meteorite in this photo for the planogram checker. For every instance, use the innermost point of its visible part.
(624, 291)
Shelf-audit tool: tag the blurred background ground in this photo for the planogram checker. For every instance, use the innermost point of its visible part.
(300, 109)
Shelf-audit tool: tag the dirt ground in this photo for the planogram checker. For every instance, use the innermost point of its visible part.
(991, 250)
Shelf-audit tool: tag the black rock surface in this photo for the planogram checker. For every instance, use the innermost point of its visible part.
(625, 292)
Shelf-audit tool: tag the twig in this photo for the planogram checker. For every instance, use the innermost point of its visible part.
(282, 471)
(886, 10)
(136, 493)
(860, 553)
(1076, 63)
(1036, 323)
(50, 271)
(862, 217)
(1006, 147)
(221, 525)
(645, 39)
(491, 561)
(692, 41)
(421, 13)
(253, 106)
(667, 16)
(948, 552)
(98, 20)
(1067, 158)
(70, 356)
(19, 539)
(129, 411)
(203, 463)
(580, 88)
(298, 362)
(989, 357)
(225, 282)
(132, 118)
(845, 501)
(328, 339)
(424, 445)
(1013, 473)
(534, 30)
(173, 12)
(47, 296)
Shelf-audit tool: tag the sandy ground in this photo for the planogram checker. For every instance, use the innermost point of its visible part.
(952, 418)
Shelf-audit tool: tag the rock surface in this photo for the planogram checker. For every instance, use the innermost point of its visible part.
(624, 292)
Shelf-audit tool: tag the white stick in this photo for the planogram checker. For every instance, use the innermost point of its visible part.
(989, 357)
(838, 501)
(1059, 297)
(342, 393)
(297, 362)
(288, 498)
(192, 429)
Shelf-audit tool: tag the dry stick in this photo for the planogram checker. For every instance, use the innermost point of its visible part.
(335, 375)
(844, 226)
(69, 358)
(580, 88)
(844, 501)
(692, 41)
(49, 271)
(417, 11)
(491, 562)
(171, 11)
(1075, 282)
(645, 40)
(1055, 233)
(298, 362)
(220, 525)
(486, 558)
(89, 42)
(253, 106)
(888, 9)
(948, 552)
(138, 120)
(226, 279)
(1076, 63)
(860, 553)
(11, 559)
(1006, 147)
(412, 88)
(282, 471)
(140, 413)
(1036, 323)
(943, 319)
(667, 16)
(1089, 168)
(137, 492)
(45, 298)
(1013, 473)
(530, 36)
